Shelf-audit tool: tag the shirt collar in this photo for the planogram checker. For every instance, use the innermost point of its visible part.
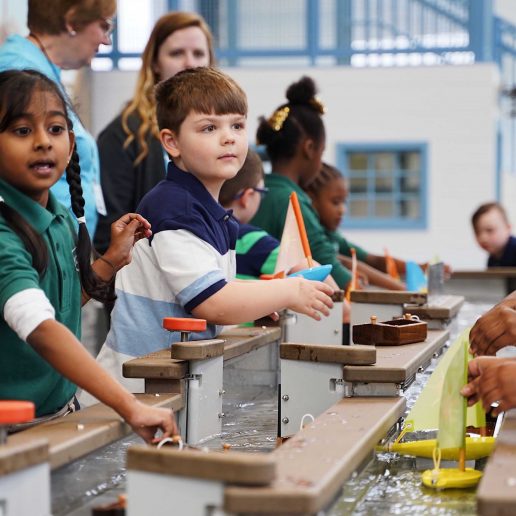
(38, 217)
(286, 182)
(191, 183)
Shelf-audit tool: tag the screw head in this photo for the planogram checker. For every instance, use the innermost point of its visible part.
(285, 397)
(285, 420)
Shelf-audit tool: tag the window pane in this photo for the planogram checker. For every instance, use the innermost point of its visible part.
(384, 161)
(410, 161)
(384, 208)
(410, 208)
(134, 23)
(358, 184)
(384, 183)
(357, 161)
(358, 208)
(410, 183)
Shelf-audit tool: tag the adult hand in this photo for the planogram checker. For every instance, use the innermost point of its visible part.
(125, 232)
(494, 330)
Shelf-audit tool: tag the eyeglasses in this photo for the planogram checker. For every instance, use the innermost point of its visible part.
(262, 191)
(107, 25)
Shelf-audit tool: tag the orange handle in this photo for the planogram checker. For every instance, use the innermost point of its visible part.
(184, 324)
(13, 412)
(302, 229)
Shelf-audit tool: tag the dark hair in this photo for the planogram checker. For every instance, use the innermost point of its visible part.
(484, 208)
(202, 90)
(326, 174)
(300, 118)
(16, 89)
(45, 19)
(248, 176)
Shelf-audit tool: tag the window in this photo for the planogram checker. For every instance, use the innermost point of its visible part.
(387, 185)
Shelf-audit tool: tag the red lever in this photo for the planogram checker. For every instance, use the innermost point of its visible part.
(184, 324)
(13, 412)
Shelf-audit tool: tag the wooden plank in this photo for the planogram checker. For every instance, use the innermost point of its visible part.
(496, 494)
(313, 465)
(359, 355)
(197, 349)
(15, 456)
(233, 467)
(443, 307)
(387, 297)
(239, 341)
(87, 430)
(492, 272)
(395, 364)
(155, 365)
(390, 333)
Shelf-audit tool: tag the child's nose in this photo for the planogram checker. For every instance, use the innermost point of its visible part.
(42, 140)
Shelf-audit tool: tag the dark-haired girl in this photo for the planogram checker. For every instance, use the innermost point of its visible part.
(44, 263)
(295, 138)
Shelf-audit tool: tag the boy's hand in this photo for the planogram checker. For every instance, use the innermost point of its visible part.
(125, 232)
(145, 421)
(494, 330)
(311, 298)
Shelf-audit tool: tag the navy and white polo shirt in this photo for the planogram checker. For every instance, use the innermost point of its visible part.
(190, 257)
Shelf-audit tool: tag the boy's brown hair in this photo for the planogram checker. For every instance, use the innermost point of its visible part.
(484, 208)
(44, 17)
(201, 90)
(248, 176)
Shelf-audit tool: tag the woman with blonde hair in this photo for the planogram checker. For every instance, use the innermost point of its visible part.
(131, 157)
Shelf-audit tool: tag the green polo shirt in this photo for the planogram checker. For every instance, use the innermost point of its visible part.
(271, 218)
(24, 375)
(343, 246)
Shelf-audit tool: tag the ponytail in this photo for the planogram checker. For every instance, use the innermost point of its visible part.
(94, 287)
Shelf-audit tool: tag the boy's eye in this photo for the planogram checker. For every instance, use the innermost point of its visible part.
(208, 128)
(239, 125)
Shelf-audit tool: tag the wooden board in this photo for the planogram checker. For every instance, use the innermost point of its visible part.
(390, 333)
(313, 465)
(233, 467)
(360, 355)
(496, 495)
(492, 272)
(157, 365)
(397, 364)
(197, 349)
(239, 341)
(445, 307)
(388, 297)
(82, 432)
(17, 456)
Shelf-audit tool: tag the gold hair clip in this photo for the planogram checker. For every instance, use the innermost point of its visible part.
(317, 103)
(278, 118)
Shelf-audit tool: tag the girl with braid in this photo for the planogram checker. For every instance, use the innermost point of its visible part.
(329, 192)
(45, 262)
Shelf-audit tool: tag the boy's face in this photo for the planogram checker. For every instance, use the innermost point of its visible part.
(492, 232)
(212, 147)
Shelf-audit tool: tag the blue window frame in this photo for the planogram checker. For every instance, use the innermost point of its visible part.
(387, 184)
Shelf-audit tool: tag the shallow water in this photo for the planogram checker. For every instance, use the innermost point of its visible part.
(390, 484)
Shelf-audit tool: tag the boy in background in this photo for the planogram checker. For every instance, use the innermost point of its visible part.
(493, 233)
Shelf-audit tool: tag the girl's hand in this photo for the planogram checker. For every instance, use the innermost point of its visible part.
(125, 232)
(145, 421)
(311, 298)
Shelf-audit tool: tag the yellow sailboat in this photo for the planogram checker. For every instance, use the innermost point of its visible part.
(426, 412)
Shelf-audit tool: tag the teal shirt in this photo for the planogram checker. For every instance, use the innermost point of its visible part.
(343, 246)
(19, 53)
(271, 218)
(24, 375)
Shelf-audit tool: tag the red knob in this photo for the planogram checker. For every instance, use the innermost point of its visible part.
(184, 324)
(13, 412)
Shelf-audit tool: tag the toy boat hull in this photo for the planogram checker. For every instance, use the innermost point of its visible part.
(476, 448)
(451, 478)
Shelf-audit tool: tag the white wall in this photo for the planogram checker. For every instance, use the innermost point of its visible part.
(453, 109)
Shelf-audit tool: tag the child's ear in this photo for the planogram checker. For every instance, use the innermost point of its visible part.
(170, 143)
(309, 148)
(244, 199)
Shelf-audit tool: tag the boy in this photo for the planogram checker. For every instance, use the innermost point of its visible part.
(256, 250)
(493, 234)
(186, 268)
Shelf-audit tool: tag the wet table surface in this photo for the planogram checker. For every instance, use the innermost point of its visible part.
(389, 484)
